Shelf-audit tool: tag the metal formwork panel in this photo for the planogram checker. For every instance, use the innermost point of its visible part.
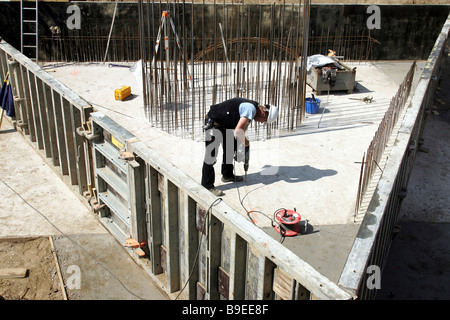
(112, 172)
(111, 175)
(48, 114)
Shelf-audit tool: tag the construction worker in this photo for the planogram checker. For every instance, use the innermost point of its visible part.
(226, 124)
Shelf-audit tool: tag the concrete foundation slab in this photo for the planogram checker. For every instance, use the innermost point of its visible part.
(314, 169)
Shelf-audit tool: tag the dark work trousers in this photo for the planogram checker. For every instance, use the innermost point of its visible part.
(213, 139)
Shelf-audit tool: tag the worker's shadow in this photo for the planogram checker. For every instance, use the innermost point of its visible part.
(290, 174)
(7, 131)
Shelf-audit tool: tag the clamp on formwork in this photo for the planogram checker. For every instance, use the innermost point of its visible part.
(136, 245)
(126, 155)
(90, 195)
(86, 132)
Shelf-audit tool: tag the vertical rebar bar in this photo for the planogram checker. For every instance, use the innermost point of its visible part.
(268, 67)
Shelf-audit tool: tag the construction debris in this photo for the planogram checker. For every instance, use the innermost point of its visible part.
(367, 99)
(13, 273)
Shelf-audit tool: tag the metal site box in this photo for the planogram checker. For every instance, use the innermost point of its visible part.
(345, 80)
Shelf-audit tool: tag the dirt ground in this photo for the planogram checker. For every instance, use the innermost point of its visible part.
(41, 281)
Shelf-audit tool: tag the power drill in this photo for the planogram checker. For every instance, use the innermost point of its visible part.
(247, 158)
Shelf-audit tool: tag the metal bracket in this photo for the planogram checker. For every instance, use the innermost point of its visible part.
(126, 155)
(133, 243)
(81, 131)
(18, 99)
(97, 207)
(12, 62)
(22, 124)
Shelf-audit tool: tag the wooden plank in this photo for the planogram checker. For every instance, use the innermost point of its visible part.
(13, 273)
(58, 269)
(282, 284)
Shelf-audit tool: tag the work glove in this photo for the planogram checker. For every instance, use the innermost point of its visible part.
(242, 154)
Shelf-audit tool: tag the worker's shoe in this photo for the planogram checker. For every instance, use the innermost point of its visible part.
(232, 178)
(217, 192)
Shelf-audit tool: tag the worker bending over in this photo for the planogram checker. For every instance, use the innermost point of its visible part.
(226, 124)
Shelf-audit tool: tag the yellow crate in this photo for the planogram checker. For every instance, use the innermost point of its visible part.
(122, 93)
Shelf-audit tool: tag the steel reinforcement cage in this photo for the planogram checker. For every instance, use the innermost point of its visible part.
(192, 244)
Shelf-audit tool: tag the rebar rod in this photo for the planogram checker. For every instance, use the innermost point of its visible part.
(266, 64)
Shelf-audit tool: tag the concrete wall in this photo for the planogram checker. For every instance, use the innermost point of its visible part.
(375, 235)
(400, 36)
(407, 31)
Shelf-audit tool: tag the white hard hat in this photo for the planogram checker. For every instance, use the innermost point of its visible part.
(273, 113)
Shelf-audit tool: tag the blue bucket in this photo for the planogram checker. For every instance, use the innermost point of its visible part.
(312, 106)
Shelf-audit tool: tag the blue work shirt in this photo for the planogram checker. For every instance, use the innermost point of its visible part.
(247, 110)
